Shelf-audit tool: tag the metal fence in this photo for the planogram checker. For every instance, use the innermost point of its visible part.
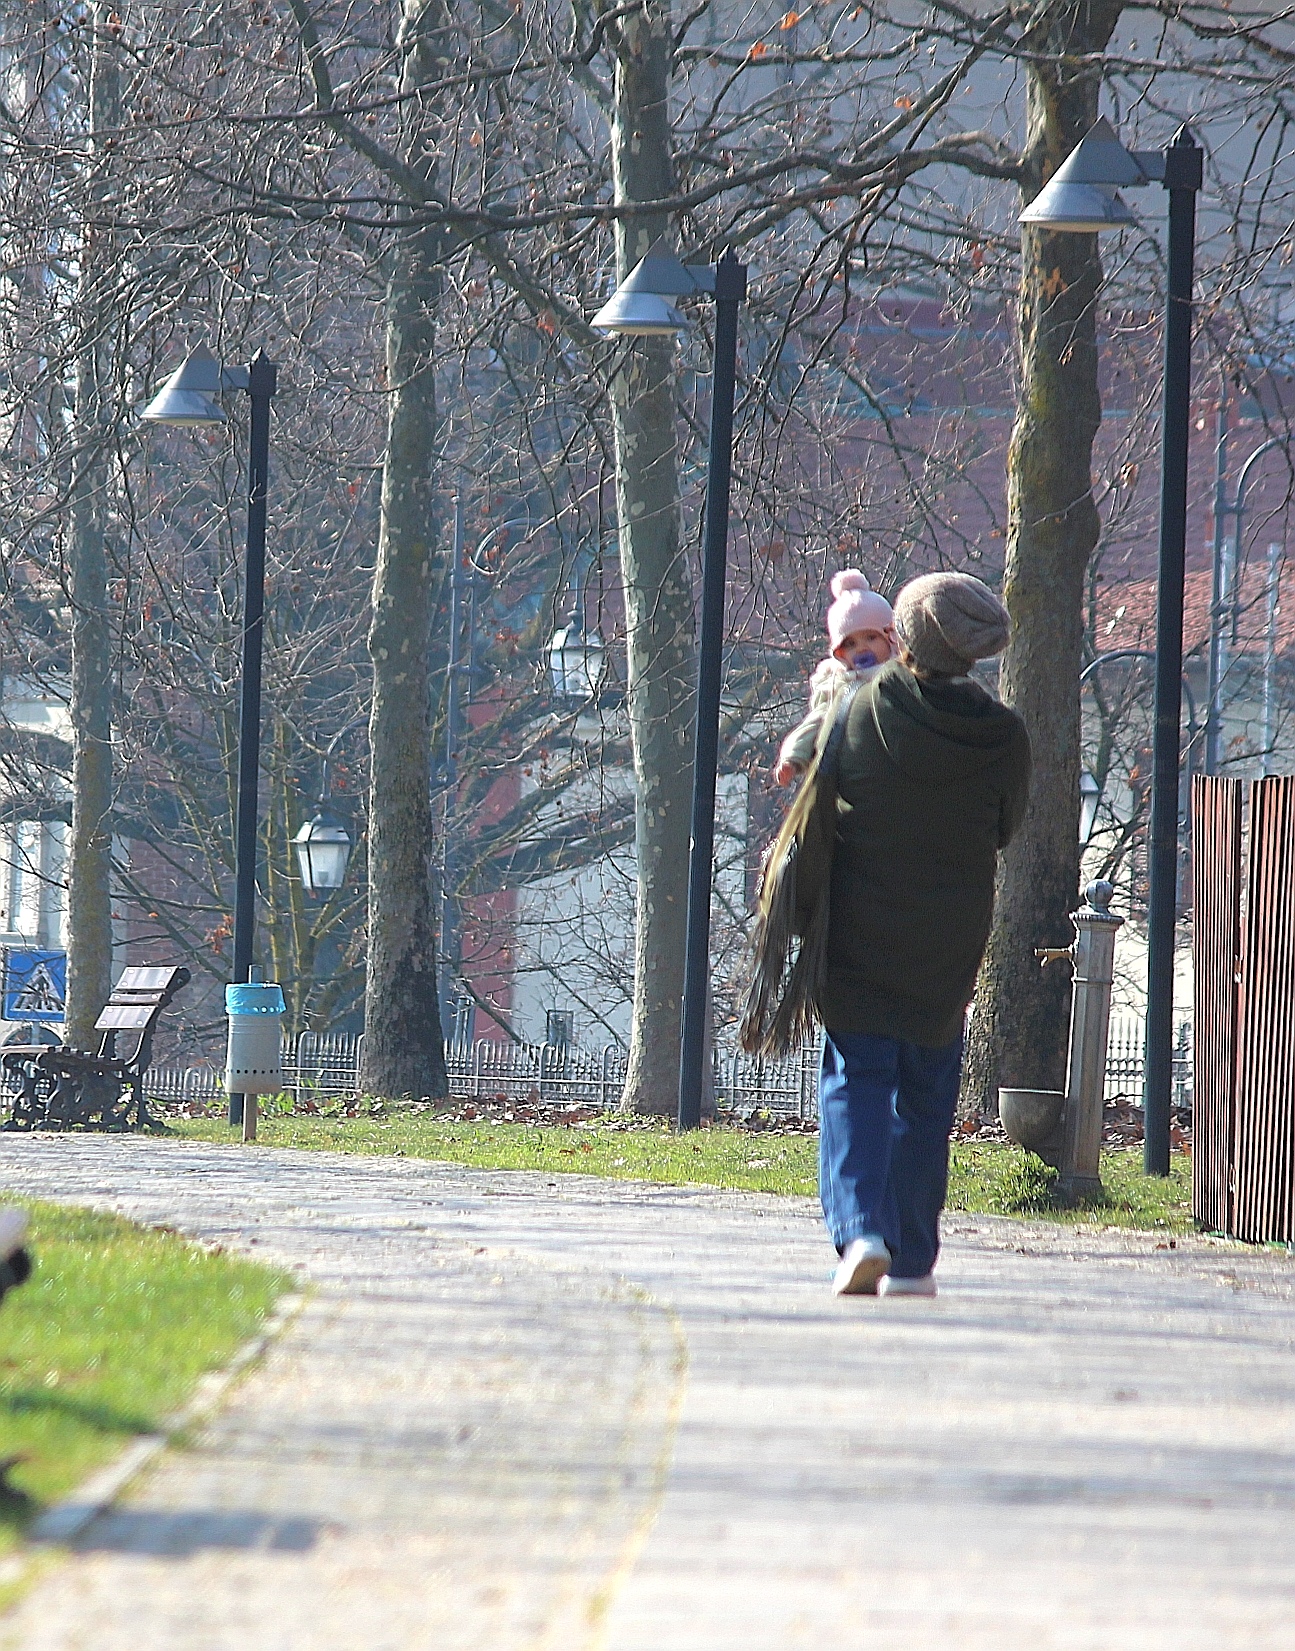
(548, 1072)
(317, 1066)
(1124, 1061)
(788, 1086)
(324, 1068)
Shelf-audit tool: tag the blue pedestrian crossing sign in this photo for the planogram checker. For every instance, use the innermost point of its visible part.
(35, 985)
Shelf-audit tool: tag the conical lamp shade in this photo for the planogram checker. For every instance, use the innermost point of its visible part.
(188, 396)
(641, 305)
(1080, 197)
(1099, 157)
(1077, 208)
(639, 314)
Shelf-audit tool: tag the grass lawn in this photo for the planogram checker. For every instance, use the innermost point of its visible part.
(104, 1341)
(988, 1177)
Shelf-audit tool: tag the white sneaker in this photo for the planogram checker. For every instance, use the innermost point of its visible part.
(13, 1230)
(892, 1286)
(863, 1262)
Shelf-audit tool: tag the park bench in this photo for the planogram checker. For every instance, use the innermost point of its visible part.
(64, 1088)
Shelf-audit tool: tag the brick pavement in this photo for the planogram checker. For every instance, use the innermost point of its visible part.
(523, 1412)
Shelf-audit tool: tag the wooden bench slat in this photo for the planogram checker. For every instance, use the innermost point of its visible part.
(137, 979)
(125, 1017)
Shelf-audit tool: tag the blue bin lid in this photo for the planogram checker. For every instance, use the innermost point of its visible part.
(254, 998)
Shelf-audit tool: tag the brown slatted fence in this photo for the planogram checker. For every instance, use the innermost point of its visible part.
(1243, 944)
(1216, 934)
(1263, 1137)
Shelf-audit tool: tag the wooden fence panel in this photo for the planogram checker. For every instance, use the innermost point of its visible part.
(1216, 937)
(1265, 1084)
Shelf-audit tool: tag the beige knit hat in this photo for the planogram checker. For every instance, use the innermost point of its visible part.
(947, 621)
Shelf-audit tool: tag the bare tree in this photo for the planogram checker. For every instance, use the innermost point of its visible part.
(1021, 1023)
(97, 412)
(404, 1052)
(657, 580)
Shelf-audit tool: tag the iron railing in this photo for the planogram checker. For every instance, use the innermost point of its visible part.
(324, 1068)
(1124, 1061)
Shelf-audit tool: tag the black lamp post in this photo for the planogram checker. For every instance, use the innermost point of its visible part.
(1081, 197)
(642, 306)
(188, 398)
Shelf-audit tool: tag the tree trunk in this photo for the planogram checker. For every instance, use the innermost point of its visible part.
(1021, 1020)
(658, 589)
(404, 1052)
(89, 857)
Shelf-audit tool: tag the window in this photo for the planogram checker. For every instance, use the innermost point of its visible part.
(560, 1027)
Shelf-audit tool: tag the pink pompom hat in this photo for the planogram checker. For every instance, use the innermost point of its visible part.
(855, 607)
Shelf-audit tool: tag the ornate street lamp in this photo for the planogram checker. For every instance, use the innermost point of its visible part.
(323, 848)
(1081, 198)
(641, 307)
(189, 399)
(576, 662)
(1090, 794)
(323, 843)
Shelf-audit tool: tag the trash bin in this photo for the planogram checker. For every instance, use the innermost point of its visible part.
(254, 1062)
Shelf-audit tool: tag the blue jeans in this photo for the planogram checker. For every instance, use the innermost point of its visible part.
(885, 1109)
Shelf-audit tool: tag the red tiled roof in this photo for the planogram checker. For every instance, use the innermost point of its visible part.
(1126, 612)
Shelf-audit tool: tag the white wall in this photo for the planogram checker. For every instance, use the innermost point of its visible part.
(575, 931)
(33, 899)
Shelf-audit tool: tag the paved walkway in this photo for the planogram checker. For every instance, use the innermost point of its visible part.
(567, 1414)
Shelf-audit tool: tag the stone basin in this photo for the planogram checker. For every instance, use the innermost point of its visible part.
(1030, 1116)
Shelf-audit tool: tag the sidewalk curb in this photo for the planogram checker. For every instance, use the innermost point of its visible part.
(66, 1520)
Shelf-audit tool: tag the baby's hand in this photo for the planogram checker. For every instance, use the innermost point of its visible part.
(786, 771)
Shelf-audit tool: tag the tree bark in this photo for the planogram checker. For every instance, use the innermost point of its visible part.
(658, 588)
(404, 1052)
(1021, 1020)
(89, 857)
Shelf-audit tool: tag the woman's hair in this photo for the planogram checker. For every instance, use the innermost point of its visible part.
(920, 671)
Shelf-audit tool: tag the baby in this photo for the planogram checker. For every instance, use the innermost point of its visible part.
(860, 627)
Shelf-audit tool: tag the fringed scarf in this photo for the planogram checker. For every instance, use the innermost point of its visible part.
(794, 903)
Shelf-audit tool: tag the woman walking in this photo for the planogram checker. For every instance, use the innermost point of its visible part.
(932, 783)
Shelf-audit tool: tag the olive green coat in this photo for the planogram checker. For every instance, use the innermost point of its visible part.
(932, 783)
